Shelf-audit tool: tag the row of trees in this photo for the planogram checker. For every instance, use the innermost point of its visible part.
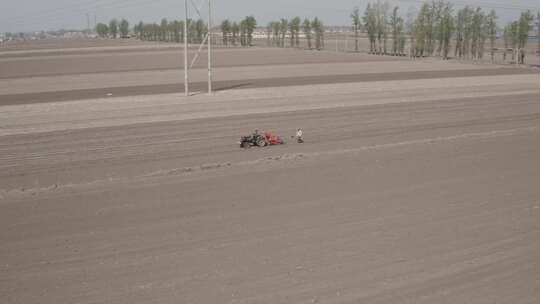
(234, 32)
(430, 32)
(516, 34)
(380, 26)
(436, 27)
(277, 32)
(172, 31)
(538, 30)
(435, 30)
(114, 28)
(473, 29)
(166, 31)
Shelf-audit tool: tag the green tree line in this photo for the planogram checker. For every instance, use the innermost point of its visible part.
(114, 29)
(234, 33)
(172, 31)
(516, 35)
(166, 31)
(438, 29)
(287, 32)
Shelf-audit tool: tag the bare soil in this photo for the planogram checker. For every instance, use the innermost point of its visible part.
(61, 43)
(163, 59)
(407, 190)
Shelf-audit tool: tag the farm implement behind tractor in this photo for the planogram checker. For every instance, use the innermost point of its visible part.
(260, 140)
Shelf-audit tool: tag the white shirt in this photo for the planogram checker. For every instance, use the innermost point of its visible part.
(299, 133)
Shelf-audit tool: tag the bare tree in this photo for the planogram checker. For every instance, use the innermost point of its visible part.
(163, 29)
(476, 32)
(269, 34)
(124, 28)
(410, 28)
(243, 33)
(318, 28)
(200, 30)
(396, 23)
(296, 25)
(292, 33)
(276, 28)
(460, 33)
(192, 31)
(429, 27)
(137, 30)
(251, 25)
(225, 31)
(102, 30)
(402, 40)
(370, 23)
(156, 32)
(179, 31)
(439, 27)
(492, 32)
(446, 29)
(146, 31)
(235, 30)
(308, 31)
(467, 41)
(356, 24)
(514, 35)
(283, 26)
(525, 25)
(113, 28)
(381, 9)
(507, 40)
(538, 32)
(420, 30)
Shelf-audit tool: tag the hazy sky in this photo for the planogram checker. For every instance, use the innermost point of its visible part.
(30, 15)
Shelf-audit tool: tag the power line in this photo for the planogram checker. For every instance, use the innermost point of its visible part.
(84, 6)
(482, 4)
(116, 5)
(83, 10)
(209, 46)
(186, 47)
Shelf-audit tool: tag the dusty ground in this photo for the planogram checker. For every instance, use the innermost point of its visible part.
(68, 44)
(407, 190)
(152, 58)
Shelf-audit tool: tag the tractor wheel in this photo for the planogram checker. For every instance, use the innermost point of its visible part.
(261, 142)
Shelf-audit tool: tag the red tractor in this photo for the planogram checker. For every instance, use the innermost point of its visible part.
(260, 140)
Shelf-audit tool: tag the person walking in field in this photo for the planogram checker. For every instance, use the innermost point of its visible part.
(299, 134)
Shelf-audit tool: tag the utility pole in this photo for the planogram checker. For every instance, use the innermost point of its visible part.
(88, 21)
(538, 31)
(207, 39)
(186, 74)
(210, 47)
